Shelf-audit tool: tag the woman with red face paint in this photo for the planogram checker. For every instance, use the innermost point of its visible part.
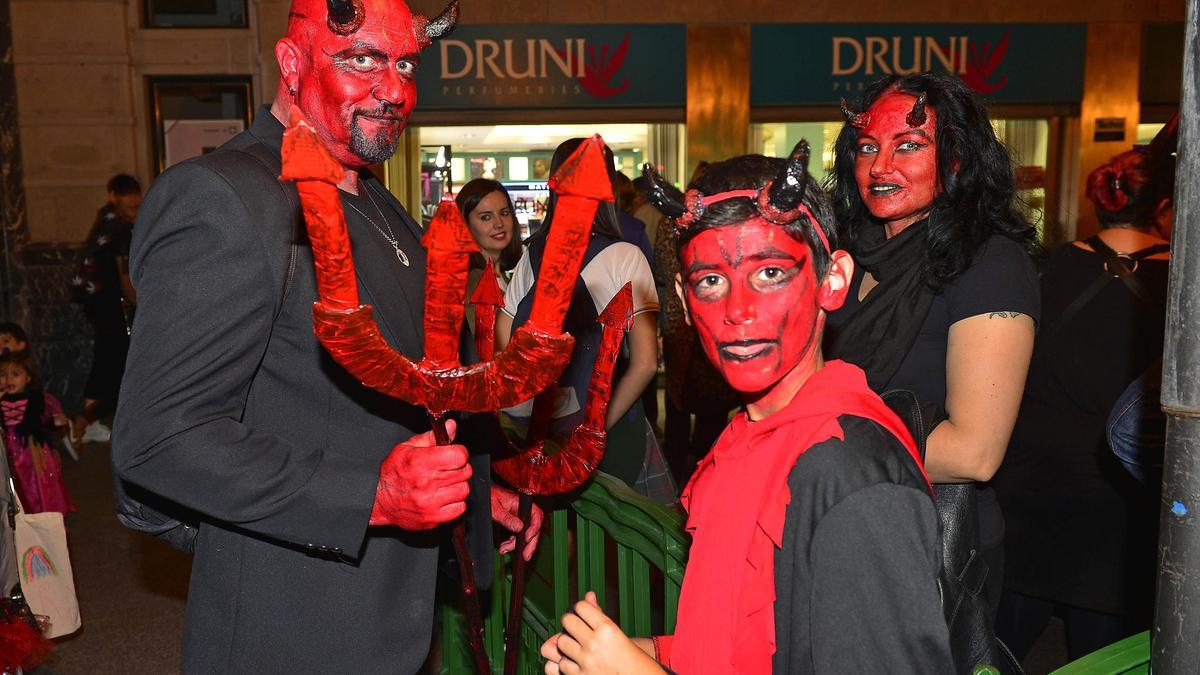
(814, 534)
(946, 299)
(608, 265)
(1081, 530)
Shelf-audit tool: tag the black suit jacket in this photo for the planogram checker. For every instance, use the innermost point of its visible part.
(231, 408)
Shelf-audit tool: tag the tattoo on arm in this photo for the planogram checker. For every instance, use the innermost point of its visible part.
(1004, 315)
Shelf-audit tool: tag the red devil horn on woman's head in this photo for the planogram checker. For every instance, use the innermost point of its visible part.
(916, 117)
(345, 16)
(855, 119)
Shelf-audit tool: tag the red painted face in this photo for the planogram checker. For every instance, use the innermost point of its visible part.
(895, 164)
(357, 90)
(753, 296)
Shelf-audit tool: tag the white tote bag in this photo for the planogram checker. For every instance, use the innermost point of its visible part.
(45, 569)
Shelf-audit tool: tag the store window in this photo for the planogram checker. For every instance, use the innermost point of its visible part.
(518, 156)
(195, 14)
(1147, 132)
(1028, 145)
(776, 139)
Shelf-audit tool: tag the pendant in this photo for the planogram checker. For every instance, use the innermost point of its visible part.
(401, 256)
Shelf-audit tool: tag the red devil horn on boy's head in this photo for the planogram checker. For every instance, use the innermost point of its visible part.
(787, 189)
(668, 200)
(345, 16)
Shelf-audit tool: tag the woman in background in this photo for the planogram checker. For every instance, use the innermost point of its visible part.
(1081, 530)
(945, 300)
(489, 213)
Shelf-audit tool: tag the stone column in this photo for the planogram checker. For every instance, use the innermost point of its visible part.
(14, 226)
(718, 93)
(1110, 92)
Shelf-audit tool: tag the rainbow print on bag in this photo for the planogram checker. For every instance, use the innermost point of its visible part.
(36, 564)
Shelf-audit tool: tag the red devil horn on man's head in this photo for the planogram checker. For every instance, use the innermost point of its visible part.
(428, 30)
(443, 24)
(345, 16)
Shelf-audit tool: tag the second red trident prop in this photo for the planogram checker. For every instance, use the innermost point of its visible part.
(534, 358)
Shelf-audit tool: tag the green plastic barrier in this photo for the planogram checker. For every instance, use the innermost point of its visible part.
(1129, 656)
(606, 523)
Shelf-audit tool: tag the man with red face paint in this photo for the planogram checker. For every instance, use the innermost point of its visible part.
(946, 297)
(315, 497)
(815, 539)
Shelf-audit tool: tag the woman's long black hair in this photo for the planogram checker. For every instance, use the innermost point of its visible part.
(978, 196)
(606, 221)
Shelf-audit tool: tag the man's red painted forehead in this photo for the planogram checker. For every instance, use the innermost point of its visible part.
(388, 25)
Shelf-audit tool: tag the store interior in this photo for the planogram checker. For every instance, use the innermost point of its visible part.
(518, 156)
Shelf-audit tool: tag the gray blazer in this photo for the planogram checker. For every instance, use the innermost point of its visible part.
(231, 408)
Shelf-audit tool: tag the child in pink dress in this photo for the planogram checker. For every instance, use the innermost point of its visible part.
(29, 415)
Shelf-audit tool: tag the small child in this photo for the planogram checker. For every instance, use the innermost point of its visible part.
(12, 338)
(29, 415)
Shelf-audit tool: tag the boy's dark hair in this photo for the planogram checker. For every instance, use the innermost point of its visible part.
(751, 172)
(124, 184)
(15, 330)
(468, 198)
(23, 359)
(978, 197)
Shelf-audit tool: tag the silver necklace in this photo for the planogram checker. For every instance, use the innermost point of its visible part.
(388, 236)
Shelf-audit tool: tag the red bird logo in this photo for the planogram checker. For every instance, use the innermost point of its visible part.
(599, 70)
(983, 61)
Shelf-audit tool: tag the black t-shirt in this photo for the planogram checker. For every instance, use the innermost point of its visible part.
(856, 578)
(1001, 278)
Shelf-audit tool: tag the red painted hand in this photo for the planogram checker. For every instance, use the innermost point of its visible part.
(504, 512)
(421, 484)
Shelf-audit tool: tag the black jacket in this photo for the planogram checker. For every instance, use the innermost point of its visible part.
(231, 408)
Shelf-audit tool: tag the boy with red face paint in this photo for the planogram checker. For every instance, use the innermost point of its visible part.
(815, 539)
(316, 497)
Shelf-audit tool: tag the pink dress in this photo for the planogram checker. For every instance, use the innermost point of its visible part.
(36, 465)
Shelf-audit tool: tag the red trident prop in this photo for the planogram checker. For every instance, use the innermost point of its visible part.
(486, 298)
(533, 472)
(534, 358)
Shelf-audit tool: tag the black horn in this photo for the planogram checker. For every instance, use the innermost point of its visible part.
(443, 24)
(916, 117)
(787, 189)
(664, 196)
(345, 16)
(856, 120)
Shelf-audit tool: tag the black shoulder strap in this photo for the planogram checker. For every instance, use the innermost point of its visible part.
(1115, 265)
(1123, 266)
(269, 160)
